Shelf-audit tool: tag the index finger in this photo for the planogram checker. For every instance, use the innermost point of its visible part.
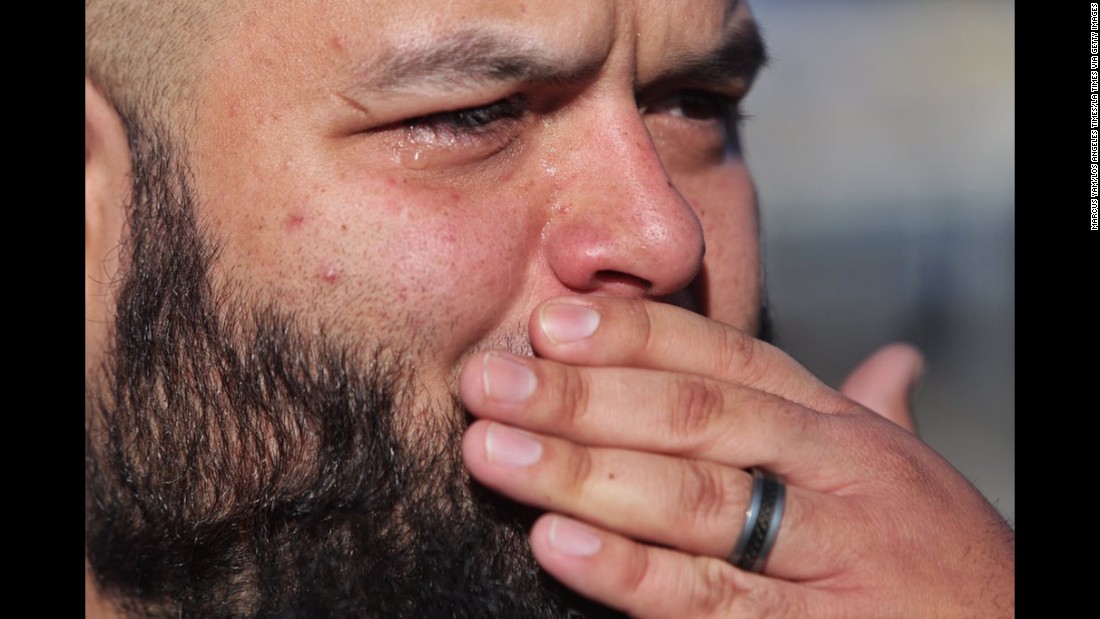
(607, 331)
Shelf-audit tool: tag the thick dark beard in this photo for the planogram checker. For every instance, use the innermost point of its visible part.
(239, 462)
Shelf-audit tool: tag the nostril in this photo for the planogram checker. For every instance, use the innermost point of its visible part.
(695, 296)
(607, 277)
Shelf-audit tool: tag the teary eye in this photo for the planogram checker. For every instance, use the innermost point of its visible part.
(458, 137)
(469, 121)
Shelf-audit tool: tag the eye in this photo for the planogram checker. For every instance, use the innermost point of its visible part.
(468, 123)
(457, 138)
(698, 105)
(694, 129)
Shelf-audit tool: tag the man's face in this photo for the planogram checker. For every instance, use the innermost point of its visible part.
(374, 192)
(430, 172)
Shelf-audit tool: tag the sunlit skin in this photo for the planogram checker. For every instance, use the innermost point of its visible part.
(572, 198)
(446, 210)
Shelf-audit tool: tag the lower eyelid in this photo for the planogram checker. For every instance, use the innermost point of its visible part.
(450, 127)
(440, 147)
(442, 134)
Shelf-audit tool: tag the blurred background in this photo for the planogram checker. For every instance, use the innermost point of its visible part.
(881, 137)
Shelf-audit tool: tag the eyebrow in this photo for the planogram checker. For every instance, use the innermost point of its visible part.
(741, 55)
(469, 56)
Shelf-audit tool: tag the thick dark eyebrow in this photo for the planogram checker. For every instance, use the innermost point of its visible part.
(468, 57)
(740, 56)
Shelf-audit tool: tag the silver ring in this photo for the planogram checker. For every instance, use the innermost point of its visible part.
(762, 519)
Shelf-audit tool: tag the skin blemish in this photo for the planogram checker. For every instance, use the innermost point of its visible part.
(295, 221)
(330, 272)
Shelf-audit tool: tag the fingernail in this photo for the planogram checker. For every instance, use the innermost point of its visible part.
(568, 322)
(506, 378)
(571, 538)
(504, 445)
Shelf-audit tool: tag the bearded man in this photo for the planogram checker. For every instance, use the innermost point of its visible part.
(413, 309)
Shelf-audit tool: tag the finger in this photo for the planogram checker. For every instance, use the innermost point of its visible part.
(608, 331)
(648, 410)
(649, 582)
(886, 382)
(695, 506)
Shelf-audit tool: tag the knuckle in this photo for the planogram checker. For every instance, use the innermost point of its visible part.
(909, 467)
(573, 398)
(889, 450)
(728, 592)
(636, 575)
(737, 352)
(717, 590)
(695, 404)
(798, 422)
(768, 602)
(578, 472)
(748, 361)
(706, 497)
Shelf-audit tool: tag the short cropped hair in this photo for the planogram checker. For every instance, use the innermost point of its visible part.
(144, 57)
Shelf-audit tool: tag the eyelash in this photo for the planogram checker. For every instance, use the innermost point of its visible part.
(707, 121)
(470, 122)
(476, 120)
(722, 107)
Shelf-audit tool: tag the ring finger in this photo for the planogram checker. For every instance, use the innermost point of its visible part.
(693, 505)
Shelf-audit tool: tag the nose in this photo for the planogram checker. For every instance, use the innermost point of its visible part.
(620, 226)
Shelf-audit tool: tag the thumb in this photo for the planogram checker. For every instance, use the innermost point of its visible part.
(886, 381)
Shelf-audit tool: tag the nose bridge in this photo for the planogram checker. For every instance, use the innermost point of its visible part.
(621, 218)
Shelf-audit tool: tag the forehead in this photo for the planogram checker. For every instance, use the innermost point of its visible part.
(299, 34)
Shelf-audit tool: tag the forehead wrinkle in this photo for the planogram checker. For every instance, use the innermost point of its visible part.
(470, 56)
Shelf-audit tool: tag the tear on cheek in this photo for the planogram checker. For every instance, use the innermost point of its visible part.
(330, 272)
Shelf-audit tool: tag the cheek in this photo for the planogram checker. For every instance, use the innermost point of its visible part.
(401, 262)
(727, 207)
(456, 268)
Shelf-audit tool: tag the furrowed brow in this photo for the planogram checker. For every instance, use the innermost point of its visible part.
(740, 56)
(472, 57)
